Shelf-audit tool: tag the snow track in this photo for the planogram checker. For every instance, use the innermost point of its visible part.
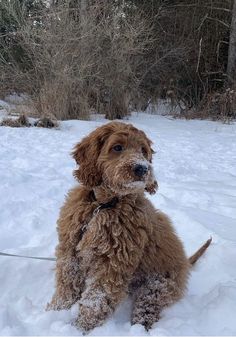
(195, 164)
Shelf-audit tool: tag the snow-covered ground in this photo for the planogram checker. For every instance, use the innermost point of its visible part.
(195, 164)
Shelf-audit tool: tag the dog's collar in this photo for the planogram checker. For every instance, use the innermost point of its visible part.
(110, 204)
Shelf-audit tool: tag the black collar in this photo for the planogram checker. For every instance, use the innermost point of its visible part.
(110, 204)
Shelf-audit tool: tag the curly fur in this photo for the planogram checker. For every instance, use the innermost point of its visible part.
(131, 248)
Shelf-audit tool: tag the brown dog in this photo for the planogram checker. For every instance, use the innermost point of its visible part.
(112, 241)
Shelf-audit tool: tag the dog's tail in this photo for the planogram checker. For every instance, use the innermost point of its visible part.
(199, 252)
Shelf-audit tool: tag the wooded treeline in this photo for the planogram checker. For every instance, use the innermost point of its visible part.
(111, 56)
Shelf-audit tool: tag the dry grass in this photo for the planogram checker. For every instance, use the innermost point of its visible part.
(21, 121)
(215, 106)
(47, 122)
(221, 105)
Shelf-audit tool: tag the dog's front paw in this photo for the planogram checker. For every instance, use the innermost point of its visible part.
(91, 316)
(94, 308)
(145, 317)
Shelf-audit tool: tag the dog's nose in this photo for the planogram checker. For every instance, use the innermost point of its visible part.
(140, 170)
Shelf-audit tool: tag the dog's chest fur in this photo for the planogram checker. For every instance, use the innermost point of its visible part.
(114, 236)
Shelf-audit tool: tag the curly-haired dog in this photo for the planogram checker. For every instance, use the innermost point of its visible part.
(112, 241)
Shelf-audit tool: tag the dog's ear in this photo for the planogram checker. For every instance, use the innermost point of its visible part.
(151, 151)
(86, 154)
(152, 185)
(152, 188)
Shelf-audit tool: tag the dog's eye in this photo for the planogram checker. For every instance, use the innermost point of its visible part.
(118, 148)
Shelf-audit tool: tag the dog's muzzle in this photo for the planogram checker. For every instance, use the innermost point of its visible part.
(140, 170)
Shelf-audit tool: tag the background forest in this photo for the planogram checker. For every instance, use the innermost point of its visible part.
(75, 57)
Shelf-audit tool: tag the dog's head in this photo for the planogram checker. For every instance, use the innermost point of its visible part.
(117, 155)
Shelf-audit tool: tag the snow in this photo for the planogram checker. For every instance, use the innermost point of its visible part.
(4, 108)
(196, 171)
(163, 107)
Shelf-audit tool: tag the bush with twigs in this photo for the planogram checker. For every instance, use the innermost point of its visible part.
(79, 60)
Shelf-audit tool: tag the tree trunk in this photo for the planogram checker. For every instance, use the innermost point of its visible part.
(231, 68)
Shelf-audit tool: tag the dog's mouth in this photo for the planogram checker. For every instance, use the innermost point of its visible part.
(128, 187)
(124, 184)
(137, 184)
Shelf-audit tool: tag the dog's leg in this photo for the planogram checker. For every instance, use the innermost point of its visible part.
(97, 304)
(105, 289)
(111, 255)
(69, 284)
(155, 293)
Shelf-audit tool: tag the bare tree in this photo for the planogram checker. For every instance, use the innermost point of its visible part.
(231, 69)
